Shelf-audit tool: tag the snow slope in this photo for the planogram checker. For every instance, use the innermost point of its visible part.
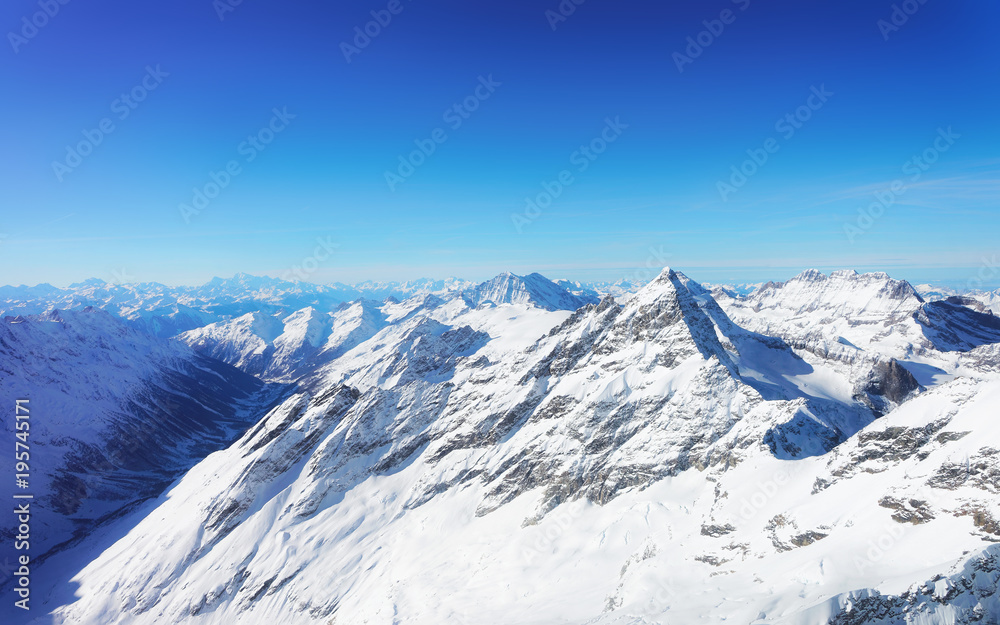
(284, 349)
(758, 541)
(823, 450)
(299, 343)
(536, 289)
(116, 414)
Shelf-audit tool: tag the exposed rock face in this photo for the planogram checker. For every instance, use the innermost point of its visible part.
(535, 289)
(849, 316)
(968, 597)
(642, 460)
(913, 511)
(981, 470)
(887, 385)
(969, 302)
(891, 381)
(951, 325)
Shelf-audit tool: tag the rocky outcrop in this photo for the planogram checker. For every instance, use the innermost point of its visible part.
(886, 385)
(968, 597)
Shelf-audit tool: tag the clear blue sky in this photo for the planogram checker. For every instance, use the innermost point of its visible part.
(116, 214)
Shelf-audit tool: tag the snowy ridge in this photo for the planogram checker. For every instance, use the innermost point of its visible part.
(844, 293)
(244, 342)
(536, 289)
(867, 317)
(285, 349)
(167, 311)
(119, 412)
(404, 290)
(933, 293)
(818, 451)
(839, 316)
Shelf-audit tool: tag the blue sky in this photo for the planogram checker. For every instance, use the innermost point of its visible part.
(532, 89)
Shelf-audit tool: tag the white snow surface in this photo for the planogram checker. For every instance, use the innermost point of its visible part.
(113, 409)
(489, 456)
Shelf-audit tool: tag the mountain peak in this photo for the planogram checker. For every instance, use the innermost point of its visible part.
(877, 282)
(810, 275)
(845, 292)
(674, 280)
(846, 274)
(536, 289)
(665, 274)
(89, 282)
(242, 280)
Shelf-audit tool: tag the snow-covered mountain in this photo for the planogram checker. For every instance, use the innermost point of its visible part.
(619, 289)
(403, 290)
(848, 314)
(535, 289)
(989, 299)
(934, 292)
(735, 289)
(116, 415)
(823, 450)
(284, 349)
(167, 311)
